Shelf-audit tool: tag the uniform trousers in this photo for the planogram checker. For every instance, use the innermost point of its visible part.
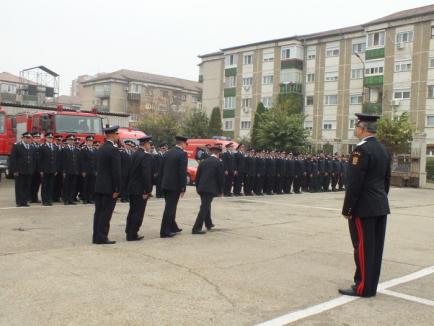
(36, 184)
(57, 188)
(287, 184)
(367, 235)
(135, 215)
(104, 207)
(325, 182)
(259, 184)
(335, 179)
(238, 182)
(204, 215)
(22, 188)
(298, 180)
(249, 184)
(229, 178)
(88, 187)
(69, 188)
(168, 223)
(47, 187)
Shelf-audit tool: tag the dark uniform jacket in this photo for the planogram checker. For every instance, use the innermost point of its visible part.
(299, 167)
(87, 159)
(210, 176)
(270, 166)
(329, 166)
(251, 166)
(108, 169)
(69, 160)
(48, 158)
(322, 166)
(368, 180)
(240, 162)
(22, 160)
(228, 161)
(337, 169)
(174, 170)
(125, 163)
(260, 166)
(156, 166)
(279, 166)
(290, 168)
(140, 181)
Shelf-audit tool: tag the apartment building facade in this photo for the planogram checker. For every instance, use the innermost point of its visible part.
(384, 67)
(135, 93)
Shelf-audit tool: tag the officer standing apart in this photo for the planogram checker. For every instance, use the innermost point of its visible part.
(48, 166)
(366, 206)
(22, 164)
(209, 184)
(139, 188)
(107, 185)
(174, 183)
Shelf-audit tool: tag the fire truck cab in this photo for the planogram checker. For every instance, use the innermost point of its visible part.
(7, 139)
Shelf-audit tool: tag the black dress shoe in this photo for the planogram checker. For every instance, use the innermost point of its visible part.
(72, 203)
(176, 230)
(168, 235)
(35, 201)
(135, 238)
(350, 292)
(45, 204)
(25, 205)
(210, 227)
(198, 232)
(105, 242)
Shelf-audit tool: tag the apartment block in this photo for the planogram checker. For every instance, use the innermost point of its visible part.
(385, 67)
(135, 93)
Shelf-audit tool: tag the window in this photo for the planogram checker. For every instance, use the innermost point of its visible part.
(231, 81)
(356, 99)
(311, 54)
(248, 59)
(267, 79)
(229, 125)
(330, 100)
(195, 98)
(246, 103)
(401, 94)
(267, 101)
(331, 76)
(404, 37)
(183, 97)
(229, 103)
(310, 78)
(359, 47)
(352, 123)
(376, 39)
(308, 125)
(8, 88)
(430, 91)
(245, 124)
(431, 62)
(231, 60)
(329, 125)
(432, 31)
(374, 71)
(268, 56)
(332, 52)
(286, 53)
(430, 120)
(402, 66)
(309, 100)
(357, 73)
(248, 81)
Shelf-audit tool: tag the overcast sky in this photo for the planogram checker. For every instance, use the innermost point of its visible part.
(163, 37)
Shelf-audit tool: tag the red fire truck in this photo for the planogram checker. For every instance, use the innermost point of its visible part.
(7, 139)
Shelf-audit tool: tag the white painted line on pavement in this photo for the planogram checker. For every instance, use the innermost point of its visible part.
(287, 204)
(314, 310)
(408, 297)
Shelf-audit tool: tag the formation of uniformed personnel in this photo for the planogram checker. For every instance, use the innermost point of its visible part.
(22, 164)
(36, 178)
(174, 183)
(70, 168)
(87, 161)
(209, 184)
(48, 156)
(366, 206)
(139, 188)
(107, 185)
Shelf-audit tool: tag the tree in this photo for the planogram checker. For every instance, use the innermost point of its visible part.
(215, 123)
(196, 124)
(260, 110)
(396, 134)
(163, 127)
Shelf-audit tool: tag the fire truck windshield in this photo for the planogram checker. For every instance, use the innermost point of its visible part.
(2, 123)
(78, 124)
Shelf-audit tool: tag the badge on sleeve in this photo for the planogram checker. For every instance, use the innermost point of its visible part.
(355, 157)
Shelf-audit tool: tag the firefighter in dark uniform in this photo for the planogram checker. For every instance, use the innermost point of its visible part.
(36, 178)
(107, 185)
(249, 179)
(322, 166)
(209, 184)
(139, 188)
(336, 171)
(88, 170)
(239, 169)
(228, 165)
(48, 166)
(280, 171)
(157, 159)
(58, 179)
(270, 173)
(299, 174)
(260, 173)
(22, 163)
(70, 170)
(329, 171)
(125, 169)
(344, 168)
(289, 173)
(174, 184)
(366, 206)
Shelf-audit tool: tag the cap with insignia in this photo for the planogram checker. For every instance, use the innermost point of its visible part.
(239, 145)
(70, 137)
(164, 146)
(144, 139)
(90, 137)
(181, 138)
(215, 148)
(111, 130)
(36, 134)
(229, 145)
(26, 134)
(49, 135)
(59, 137)
(128, 142)
(96, 142)
(367, 117)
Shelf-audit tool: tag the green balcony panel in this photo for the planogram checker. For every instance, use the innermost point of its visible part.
(290, 88)
(230, 72)
(374, 80)
(374, 54)
(200, 78)
(291, 64)
(373, 108)
(228, 114)
(229, 134)
(230, 92)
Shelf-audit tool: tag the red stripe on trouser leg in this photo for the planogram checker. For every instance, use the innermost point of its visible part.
(361, 285)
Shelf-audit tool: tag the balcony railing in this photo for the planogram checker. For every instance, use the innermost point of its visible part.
(373, 108)
(230, 92)
(102, 93)
(134, 96)
(230, 72)
(8, 97)
(374, 80)
(291, 88)
(374, 54)
(228, 114)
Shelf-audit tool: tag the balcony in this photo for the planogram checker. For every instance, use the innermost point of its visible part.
(230, 92)
(374, 54)
(228, 114)
(373, 108)
(374, 81)
(134, 96)
(291, 64)
(290, 88)
(230, 72)
(200, 78)
(8, 97)
(102, 93)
